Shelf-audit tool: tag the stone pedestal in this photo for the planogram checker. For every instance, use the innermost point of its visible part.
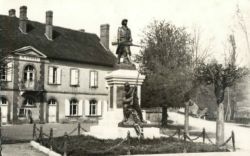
(116, 80)
(107, 128)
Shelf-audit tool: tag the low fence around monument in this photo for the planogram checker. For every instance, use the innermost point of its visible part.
(39, 136)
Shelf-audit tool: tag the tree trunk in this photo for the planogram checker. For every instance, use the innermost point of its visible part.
(228, 109)
(164, 120)
(186, 122)
(220, 125)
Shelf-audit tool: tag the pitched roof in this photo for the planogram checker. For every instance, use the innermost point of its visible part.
(67, 44)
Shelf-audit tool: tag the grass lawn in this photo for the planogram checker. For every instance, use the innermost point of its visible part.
(88, 145)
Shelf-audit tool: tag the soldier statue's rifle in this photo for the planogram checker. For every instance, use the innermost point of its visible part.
(135, 89)
(125, 44)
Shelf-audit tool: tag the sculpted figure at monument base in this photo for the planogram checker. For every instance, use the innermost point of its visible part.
(131, 109)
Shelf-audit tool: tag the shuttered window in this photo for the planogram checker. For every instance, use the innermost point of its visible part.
(73, 110)
(74, 77)
(54, 75)
(93, 79)
(93, 107)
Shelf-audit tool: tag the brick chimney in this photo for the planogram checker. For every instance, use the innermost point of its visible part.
(49, 25)
(104, 35)
(12, 13)
(23, 19)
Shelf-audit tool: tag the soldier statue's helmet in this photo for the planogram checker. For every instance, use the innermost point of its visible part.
(123, 21)
(126, 84)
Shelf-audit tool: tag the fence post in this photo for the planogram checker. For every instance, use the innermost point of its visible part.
(34, 131)
(51, 138)
(0, 139)
(185, 139)
(41, 135)
(128, 138)
(79, 128)
(179, 133)
(233, 141)
(65, 144)
(184, 136)
(0, 132)
(203, 135)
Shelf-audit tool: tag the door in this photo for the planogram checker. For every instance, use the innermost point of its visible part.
(4, 109)
(52, 106)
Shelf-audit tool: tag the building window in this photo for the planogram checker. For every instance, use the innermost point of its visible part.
(29, 102)
(52, 102)
(54, 75)
(22, 112)
(93, 79)
(29, 73)
(93, 107)
(5, 72)
(3, 101)
(74, 77)
(73, 107)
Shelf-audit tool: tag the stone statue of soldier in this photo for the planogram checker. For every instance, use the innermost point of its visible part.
(131, 102)
(124, 41)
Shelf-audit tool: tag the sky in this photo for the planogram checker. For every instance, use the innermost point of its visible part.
(216, 19)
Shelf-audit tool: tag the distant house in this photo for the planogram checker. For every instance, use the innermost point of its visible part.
(54, 74)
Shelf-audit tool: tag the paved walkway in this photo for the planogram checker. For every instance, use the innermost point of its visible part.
(17, 133)
(23, 149)
(24, 132)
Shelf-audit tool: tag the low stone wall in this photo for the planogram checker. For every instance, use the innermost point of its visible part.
(153, 115)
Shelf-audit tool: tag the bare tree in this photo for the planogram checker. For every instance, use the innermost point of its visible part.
(201, 50)
(243, 26)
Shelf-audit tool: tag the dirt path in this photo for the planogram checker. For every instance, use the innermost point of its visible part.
(23, 149)
(242, 134)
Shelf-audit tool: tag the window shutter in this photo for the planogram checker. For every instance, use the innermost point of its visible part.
(9, 71)
(86, 106)
(92, 79)
(80, 108)
(77, 76)
(72, 77)
(96, 79)
(99, 107)
(50, 75)
(58, 75)
(67, 105)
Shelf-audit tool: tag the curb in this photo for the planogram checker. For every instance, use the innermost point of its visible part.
(43, 149)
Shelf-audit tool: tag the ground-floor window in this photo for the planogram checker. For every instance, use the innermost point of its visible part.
(52, 102)
(22, 112)
(29, 102)
(93, 107)
(73, 107)
(3, 101)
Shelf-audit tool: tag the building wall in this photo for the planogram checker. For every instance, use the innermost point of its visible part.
(16, 92)
(84, 78)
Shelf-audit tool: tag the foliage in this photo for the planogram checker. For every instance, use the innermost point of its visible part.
(88, 145)
(3, 61)
(221, 77)
(166, 61)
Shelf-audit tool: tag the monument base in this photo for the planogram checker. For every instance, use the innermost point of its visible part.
(108, 128)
